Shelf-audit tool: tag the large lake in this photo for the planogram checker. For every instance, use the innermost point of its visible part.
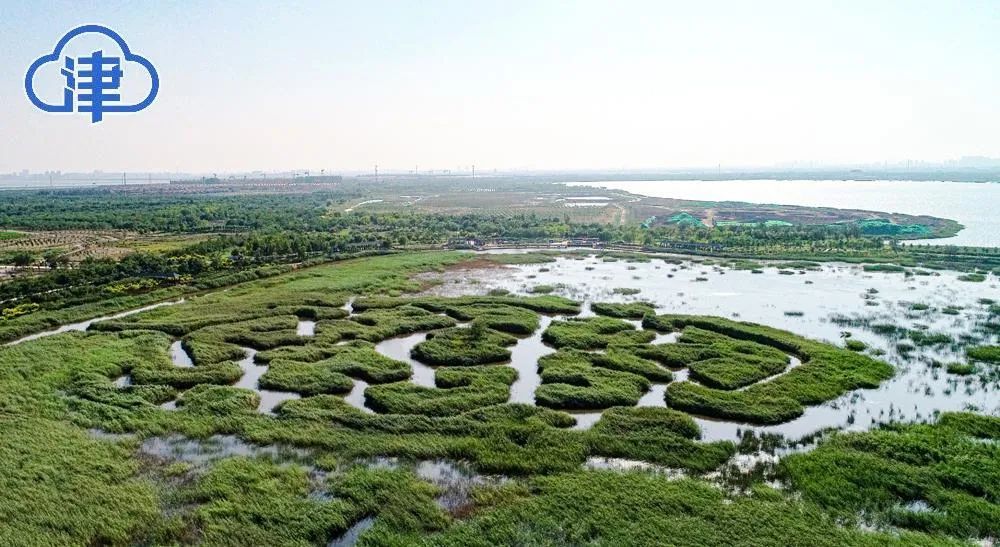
(975, 205)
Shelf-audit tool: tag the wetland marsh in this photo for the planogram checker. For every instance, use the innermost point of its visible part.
(436, 398)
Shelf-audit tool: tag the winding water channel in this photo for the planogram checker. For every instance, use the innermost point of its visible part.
(827, 303)
(813, 303)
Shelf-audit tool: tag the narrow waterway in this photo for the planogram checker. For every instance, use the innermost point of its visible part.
(251, 375)
(84, 325)
(399, 349)
(831, 302)
(524, 358)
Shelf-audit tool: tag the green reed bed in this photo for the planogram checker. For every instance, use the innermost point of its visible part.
(631, 310)
(594, 333)
(825, 373)
(459, 389)
(950, 469)
(473, 345)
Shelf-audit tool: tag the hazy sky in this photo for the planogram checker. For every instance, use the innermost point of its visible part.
(518, 84)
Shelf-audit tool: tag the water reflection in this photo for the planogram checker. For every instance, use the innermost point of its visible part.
(251, 375)
(305, 328)
(920, 389)
(524, 358)
(84, 325)
(654, 397)
(203, 451)
(351, 536)
(179, 356)
(399, 349)
(356, 397)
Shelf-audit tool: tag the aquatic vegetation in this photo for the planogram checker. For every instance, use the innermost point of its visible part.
(333, 372)
(459, 389)
(888, 268)
(989, 354)
(475, 345)
(263, 503)
(306, 378)
(631, 310)
(219, 400)
(719, 361)
(218, 343)
(626, 291)
(972, 277)
(673, 355)
(945, 466)
(573, 379)
(53, 388)
(260, 502)
(623, 358)
(614, 508)
(855, 345)
(742, 264)
(825, 373)
(543, 289)
(735, 371)
(62, 486)
(502, 317)
(799, 265)
(646, 421)
(541, 304)
(961, 369)
(391, 322)
(594, 333)
(923, 338)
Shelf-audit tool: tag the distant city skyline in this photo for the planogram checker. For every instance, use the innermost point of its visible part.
(970, 164)
(520, 86)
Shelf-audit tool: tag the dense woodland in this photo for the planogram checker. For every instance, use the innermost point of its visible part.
(247, 232)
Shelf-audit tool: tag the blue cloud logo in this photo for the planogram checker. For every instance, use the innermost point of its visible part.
(93, 81)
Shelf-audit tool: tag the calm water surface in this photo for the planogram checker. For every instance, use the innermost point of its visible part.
(920, 388)
(972, 204)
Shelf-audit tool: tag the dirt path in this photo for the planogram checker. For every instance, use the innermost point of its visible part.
(709, 219)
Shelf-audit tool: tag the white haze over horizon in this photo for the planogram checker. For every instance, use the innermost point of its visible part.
(519, 85)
